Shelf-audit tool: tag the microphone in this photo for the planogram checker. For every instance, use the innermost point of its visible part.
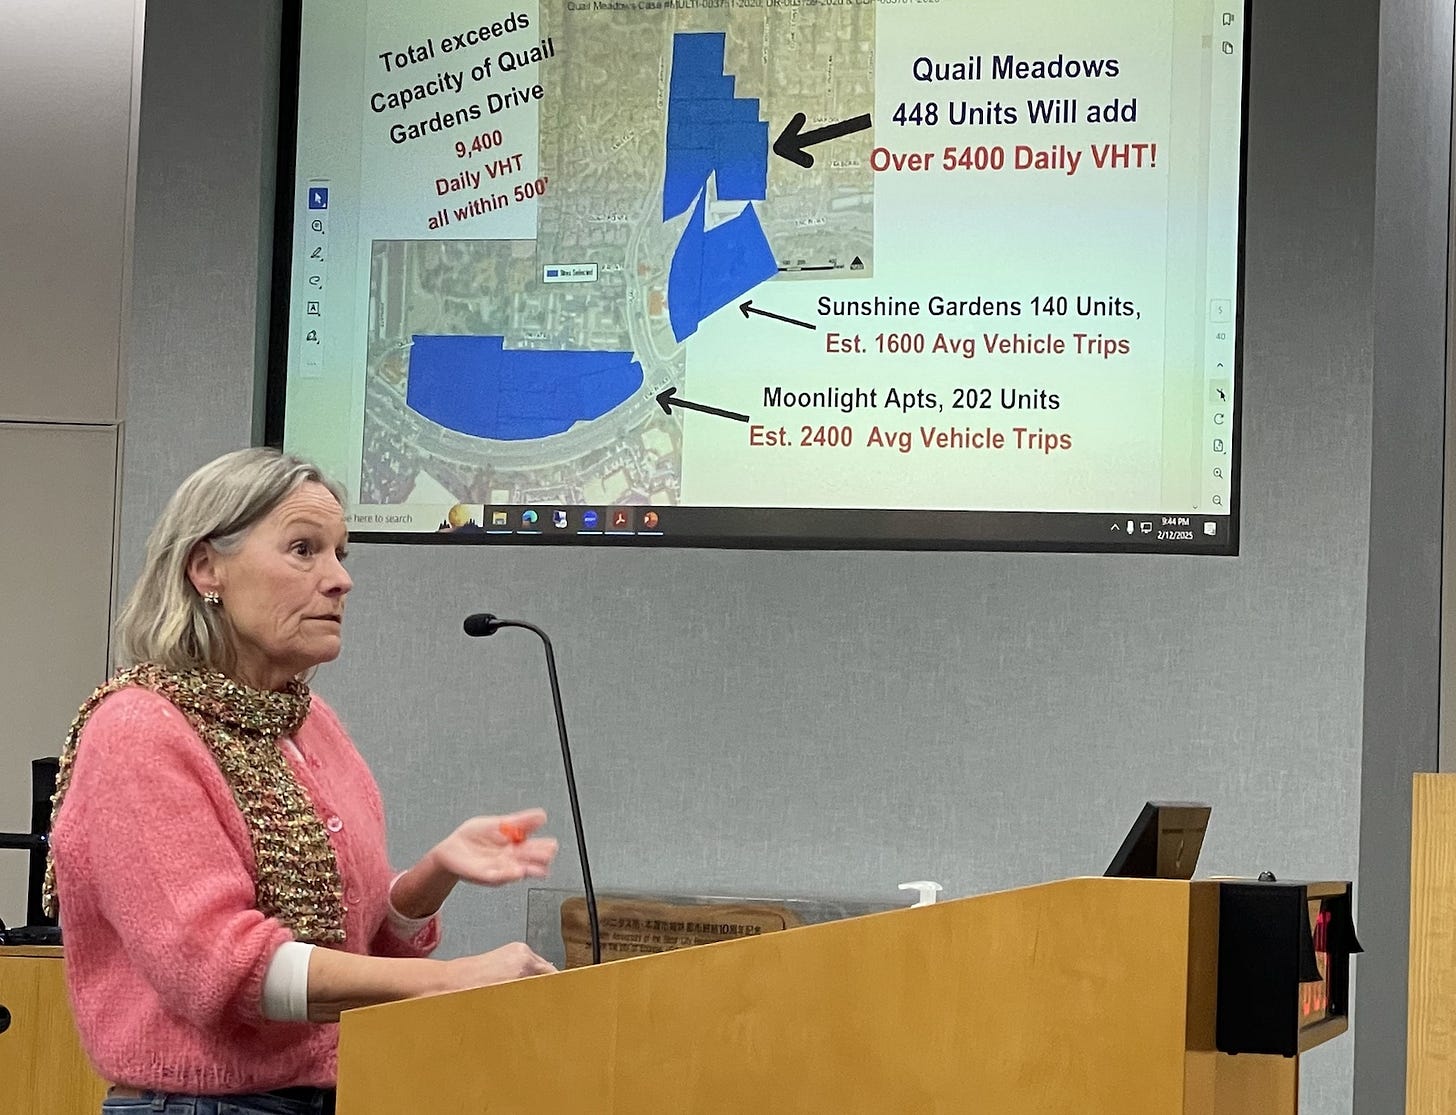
(483, 624)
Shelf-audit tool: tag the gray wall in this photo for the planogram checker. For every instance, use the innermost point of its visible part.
(202, 231)
(836, 723)
(1403, 660)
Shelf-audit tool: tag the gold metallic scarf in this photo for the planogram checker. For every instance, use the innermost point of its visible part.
(298, 876)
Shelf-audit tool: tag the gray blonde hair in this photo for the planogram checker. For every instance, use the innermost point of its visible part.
(164, 620)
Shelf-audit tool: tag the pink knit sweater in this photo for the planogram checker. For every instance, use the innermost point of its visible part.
(165, 952)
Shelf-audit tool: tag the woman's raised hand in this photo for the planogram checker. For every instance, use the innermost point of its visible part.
(497, 850)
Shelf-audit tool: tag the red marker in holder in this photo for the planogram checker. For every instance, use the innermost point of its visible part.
(512, 832)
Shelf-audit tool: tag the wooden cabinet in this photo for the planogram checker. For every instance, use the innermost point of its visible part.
(42, 1068)
(1430, 1074)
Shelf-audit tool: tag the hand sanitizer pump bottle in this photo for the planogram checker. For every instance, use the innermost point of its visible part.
(927, 889)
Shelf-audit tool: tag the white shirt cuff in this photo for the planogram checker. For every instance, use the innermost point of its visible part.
(402, 927)
(285, 985)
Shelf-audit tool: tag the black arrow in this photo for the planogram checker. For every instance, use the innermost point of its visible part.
(668, 399)
(749, 308)
(790, 144)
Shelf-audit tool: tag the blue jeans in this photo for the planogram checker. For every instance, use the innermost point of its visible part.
(292, 1101)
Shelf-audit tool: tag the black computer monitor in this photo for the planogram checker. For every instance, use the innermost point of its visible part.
(1163, 842)
(39, 929)
(43, 775)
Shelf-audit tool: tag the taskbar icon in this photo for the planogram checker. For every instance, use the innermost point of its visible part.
(571, 521)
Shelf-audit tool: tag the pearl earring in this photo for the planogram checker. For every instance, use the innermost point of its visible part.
(212, 599)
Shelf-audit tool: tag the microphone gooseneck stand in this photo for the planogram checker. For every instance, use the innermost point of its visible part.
(484, 624)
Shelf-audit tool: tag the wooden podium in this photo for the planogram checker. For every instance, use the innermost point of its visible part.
(1082, 997)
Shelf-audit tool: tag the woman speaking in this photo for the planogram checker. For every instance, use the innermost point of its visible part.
(219, 865)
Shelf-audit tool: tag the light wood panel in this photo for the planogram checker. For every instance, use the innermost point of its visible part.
(57, 504)
(42, 1067)
(1071, 998)
(1431, 1017)
(70, 80)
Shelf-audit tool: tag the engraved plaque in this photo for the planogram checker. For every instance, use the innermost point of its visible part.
(639, 927)
(642, 924)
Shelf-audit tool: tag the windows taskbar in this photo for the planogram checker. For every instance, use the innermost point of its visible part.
(776, 528)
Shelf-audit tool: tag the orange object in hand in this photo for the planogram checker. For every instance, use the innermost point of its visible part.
(514, 833)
